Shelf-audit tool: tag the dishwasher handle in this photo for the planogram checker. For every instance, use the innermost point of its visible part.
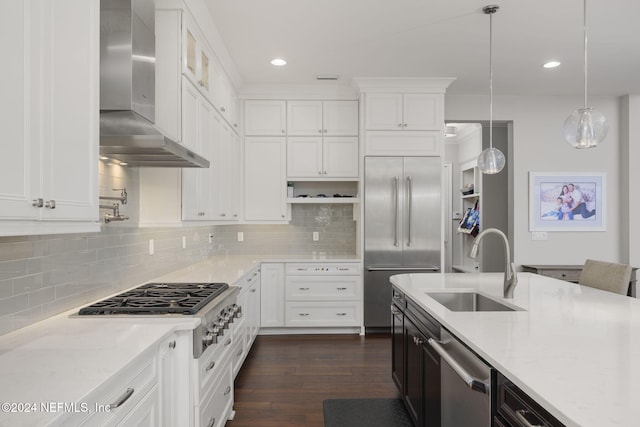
(472, 382)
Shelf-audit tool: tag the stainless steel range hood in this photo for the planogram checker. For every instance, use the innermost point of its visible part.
(127, 90)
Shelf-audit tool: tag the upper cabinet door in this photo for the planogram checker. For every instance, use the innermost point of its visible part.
(19, 158)
(340, 118)
(304, 118)
(304, 157)
(383, 111)
(265, 118)
(422, 111)
(70, 110)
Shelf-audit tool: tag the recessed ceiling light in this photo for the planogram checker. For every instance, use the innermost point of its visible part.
(104, 158)
(124, 164)
(551, 64)
(278, 62)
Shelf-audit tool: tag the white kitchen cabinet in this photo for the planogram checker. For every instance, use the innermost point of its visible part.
(146, 413)
(326, 118)
(326, 295)
(404, 111)
(225, 173)
(224, 96)
(196, 56)
(198, 132)
(265, 118)
(407, 143)
(50, 109)
(253, 309)
(174, 355)
(272, 295)
(265, 189)
(317, 157)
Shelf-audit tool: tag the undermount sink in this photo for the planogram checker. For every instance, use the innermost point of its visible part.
(468, 301)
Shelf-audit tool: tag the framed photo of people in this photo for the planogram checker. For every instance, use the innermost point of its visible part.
(567, 201)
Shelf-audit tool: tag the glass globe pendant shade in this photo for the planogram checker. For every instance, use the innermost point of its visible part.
(491, 161)
(585, 128)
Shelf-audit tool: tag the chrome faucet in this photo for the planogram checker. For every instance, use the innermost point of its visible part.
(510, 277)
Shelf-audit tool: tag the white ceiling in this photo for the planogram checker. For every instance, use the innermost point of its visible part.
(436, 38)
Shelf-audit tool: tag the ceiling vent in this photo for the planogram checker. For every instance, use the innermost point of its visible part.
(327, 77)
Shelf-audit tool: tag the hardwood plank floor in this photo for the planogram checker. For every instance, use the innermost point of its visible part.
(286, 377)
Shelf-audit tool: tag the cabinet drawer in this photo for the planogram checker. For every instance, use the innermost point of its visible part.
(140, 377)
(211, 365)
(322, 314)
(568, 275)
(216, 405)
(322, 288)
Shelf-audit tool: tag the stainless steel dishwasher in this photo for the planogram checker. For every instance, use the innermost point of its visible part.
(465, 384)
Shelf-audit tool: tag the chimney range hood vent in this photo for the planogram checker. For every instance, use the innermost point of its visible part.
(127, 90)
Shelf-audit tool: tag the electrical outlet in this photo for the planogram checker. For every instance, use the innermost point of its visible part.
(152, 249)
(539, 235)
(240, 236)
(210, 238)
(184, 242)
(316, 236)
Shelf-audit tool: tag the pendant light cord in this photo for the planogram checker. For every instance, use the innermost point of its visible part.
(585, 53)
(491, 80)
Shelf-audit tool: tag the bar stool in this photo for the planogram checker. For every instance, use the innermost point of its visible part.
(607, 276)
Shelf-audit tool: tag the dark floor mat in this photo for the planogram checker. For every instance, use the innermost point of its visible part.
(365, 413)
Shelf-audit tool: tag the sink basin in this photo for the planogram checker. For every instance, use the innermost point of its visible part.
(468, 301)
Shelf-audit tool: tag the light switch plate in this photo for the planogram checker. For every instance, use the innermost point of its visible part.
(152, 249)
(316, 236)
(240, 236)
(184, 242)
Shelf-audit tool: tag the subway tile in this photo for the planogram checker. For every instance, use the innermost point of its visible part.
(28, 283)
(41, 296)
(17, 250)
(11, 269)
(6, 288)
(14, 304)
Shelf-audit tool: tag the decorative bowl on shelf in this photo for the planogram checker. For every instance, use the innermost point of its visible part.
(467, 189)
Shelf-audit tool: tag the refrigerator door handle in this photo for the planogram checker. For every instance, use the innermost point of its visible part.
(396, 209)
(410, 197)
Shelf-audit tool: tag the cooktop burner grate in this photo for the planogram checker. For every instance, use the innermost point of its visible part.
(159, 298)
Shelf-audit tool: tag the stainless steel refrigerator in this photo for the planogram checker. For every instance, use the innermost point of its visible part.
(402, 227)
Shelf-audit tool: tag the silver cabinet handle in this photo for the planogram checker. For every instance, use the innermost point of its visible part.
(341, 289)
(227, 342)
(410, 198)
(223, 109)
(37, 203)
(472, 382)
(212, 422)
(399, 125)
(396, 207)
(240, 352)
(341, 314)
(520, 416)
(172, 345)
(303, 314)
(304, 289)
(252, 290)
(123, 398)
(418, 341)
(319, 130)
(210, 366)
(223, 214)
(394, 310)
(227, 390)
(50, 204)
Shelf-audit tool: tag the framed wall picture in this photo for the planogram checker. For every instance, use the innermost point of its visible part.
(567, 201)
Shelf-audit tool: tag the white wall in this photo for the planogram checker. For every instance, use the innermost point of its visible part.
(630, 171)
(538, 147)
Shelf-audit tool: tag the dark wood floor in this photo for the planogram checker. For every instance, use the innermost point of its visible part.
(285, 378)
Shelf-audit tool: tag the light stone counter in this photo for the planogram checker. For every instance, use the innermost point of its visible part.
(67, 357)
(575, 350)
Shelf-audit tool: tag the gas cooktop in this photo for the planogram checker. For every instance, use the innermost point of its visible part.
(159, 298)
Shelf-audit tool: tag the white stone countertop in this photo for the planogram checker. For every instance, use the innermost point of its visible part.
(66, 358)
(573, 349)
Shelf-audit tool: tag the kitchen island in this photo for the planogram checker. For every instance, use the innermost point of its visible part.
(573, 349)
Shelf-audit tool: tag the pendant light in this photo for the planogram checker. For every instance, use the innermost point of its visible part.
(586, 127)
(491, 160)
